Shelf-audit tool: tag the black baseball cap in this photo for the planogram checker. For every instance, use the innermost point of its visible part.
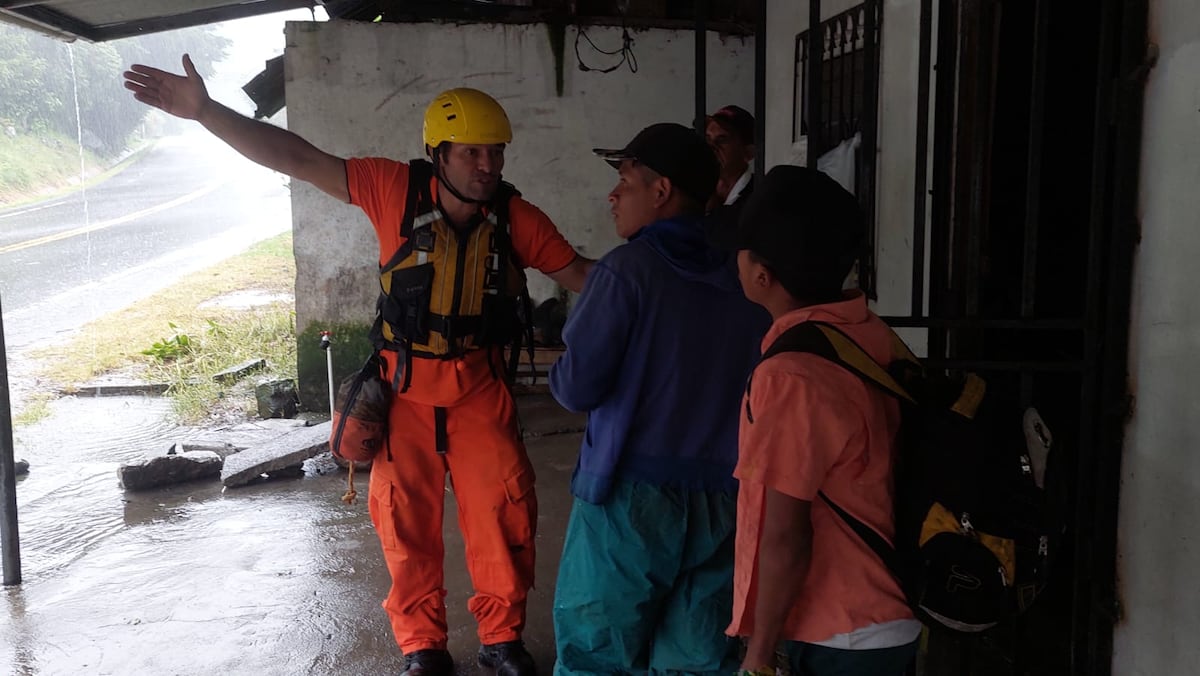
(674, 151)
(736, 120)
(805, 225)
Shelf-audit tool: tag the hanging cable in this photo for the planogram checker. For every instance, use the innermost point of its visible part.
(626, 51)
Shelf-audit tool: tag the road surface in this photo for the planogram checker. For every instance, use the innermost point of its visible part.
(185, 204)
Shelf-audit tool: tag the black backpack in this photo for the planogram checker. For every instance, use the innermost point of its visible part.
(974, 536)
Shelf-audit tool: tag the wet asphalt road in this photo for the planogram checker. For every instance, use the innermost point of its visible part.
(182, 205)
(275, 578)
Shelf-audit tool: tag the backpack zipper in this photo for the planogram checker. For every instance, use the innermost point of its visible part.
(965, 523)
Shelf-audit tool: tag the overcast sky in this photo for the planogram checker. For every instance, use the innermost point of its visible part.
(254, 41)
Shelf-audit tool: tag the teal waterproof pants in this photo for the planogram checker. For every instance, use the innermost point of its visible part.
(645, 584)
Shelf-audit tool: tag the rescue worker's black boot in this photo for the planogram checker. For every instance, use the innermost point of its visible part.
(508, 659)
(430, 662)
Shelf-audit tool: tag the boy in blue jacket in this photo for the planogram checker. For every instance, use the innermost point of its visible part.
(659, 345)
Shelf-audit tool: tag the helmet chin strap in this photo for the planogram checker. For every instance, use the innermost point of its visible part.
(437, 171)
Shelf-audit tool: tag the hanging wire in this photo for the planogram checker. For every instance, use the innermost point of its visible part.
(626, 51)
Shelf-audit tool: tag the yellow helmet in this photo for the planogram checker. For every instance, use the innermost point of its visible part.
(465, 116)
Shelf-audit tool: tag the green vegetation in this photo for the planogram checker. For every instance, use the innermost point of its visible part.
(37, 408)
(34, 166)
(204, 335)
(44, 81)
(268, 332)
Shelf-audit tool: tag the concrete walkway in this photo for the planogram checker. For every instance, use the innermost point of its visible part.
(274, 578)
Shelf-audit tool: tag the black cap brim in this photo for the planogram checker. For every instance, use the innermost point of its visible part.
(614, 156)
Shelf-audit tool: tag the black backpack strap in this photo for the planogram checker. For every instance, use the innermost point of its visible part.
(873, 539)
(830, 343)
(419, 200)
(500, 205)
(420, 197)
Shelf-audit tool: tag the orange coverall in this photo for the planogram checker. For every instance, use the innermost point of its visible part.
(490, 473)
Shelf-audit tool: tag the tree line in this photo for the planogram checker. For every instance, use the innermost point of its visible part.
(40, 78)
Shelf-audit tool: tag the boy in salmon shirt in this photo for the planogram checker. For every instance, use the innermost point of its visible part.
(809, 426)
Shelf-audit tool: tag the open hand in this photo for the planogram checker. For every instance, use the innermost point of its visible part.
(182, 96)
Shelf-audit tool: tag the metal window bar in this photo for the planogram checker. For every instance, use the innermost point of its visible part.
(849, 76)
(846, 95)
(1095, 365)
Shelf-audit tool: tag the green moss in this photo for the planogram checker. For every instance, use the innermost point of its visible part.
(349, 347)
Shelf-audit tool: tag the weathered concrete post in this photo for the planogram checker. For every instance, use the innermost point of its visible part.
(10, 547)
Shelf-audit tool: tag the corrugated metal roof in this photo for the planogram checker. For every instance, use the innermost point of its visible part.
(101, 20)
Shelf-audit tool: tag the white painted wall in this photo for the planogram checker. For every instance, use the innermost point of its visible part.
(1158, 541)
(896, 148)
(358, 89)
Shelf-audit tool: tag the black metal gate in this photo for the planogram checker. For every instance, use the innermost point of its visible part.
(1026, 265)
(842, 102)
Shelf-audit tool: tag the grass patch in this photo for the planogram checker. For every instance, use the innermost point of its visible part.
(185, 334)
(35, 165)
(36, 409)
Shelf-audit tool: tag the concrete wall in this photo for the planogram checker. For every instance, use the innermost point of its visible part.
(896, 149)
(357, 89)
(1160, 491)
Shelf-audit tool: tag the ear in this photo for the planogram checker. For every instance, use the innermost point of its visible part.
(750, 153)
(663, 189)
(765, 279)
(438, 154)
(763, 276)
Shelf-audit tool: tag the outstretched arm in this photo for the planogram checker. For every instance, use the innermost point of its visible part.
(185, 96)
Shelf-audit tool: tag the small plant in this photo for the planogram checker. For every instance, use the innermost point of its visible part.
(169, 349)
(36, 409)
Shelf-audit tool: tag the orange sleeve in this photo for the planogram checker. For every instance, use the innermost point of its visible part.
(536, 240)
(800, 431)
(379, 187)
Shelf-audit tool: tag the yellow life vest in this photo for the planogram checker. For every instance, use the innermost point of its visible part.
(448, 291)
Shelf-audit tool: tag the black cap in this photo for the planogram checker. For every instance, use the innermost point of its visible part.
(806, 226)
(674, 151)
(736, 120)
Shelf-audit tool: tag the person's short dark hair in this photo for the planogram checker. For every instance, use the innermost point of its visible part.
(737, 121)
(676, 152)
(806, 228)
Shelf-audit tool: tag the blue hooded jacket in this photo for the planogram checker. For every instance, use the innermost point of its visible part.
(659, 346)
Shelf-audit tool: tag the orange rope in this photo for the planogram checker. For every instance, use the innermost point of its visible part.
(351, 495)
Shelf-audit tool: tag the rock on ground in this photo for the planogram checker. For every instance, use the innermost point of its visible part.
(289, 450)
(164, 470)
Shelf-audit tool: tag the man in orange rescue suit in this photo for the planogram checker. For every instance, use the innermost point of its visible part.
(453, 243)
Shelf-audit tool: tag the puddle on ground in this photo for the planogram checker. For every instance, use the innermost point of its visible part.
(276, 578)
(203, 580)
(244, 300)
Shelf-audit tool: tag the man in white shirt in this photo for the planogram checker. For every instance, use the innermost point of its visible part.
(730, 132)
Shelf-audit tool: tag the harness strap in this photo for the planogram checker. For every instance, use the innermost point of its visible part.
(403, 375)
(419, 210)
(439, 430)
(419, 201)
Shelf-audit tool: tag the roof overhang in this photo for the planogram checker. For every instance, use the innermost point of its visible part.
(102, 20)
